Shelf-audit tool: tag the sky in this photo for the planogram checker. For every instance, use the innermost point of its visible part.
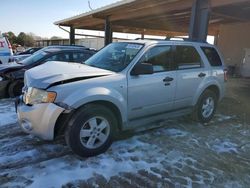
(38, 16)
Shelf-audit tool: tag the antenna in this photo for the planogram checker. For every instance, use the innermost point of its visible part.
(89, 5)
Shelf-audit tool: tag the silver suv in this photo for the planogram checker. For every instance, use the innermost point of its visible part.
(122, 87)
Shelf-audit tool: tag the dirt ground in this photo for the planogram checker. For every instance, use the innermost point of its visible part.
(182, 153)
(237, 99)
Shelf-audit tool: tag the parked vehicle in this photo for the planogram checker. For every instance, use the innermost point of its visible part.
(12, 74)
(19, 56)
(5, 50)
(29, 51)
(122, 87)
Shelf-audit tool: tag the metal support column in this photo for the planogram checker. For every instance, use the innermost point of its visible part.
(72, 36)
(108, 32)
(142, 35)
(199, 21)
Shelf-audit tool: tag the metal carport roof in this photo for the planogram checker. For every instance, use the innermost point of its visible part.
(158, 17)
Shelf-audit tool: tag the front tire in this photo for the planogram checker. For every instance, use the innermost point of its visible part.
(91, 130)
(15, 88)
(206, 106)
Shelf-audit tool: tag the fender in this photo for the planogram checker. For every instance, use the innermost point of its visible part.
(203, 86)
(98, 94)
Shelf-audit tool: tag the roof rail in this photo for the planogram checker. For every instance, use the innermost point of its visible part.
(65, 45)
(177, 38)
(172, 39)
(149, 39)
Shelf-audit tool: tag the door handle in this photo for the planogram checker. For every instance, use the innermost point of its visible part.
(168, 79)
(201, 75)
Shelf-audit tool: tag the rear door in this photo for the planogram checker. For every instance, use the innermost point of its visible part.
(190, 73)
(152, 94)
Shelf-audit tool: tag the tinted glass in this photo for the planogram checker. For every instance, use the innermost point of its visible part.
(187, 57)
(36, 57)
(212, 56)
(115, 57)
(160, 57)
(80, 57)
(59, 57)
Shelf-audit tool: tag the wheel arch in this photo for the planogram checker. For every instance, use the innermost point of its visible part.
(64, 118)
(212, 87)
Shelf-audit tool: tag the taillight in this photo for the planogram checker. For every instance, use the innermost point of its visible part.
(225, 75)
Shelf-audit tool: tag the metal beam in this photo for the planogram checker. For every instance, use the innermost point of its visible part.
(199, 21)
(108, 32)
(72, 36)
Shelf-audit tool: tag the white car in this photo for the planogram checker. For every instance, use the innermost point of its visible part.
(5, 50)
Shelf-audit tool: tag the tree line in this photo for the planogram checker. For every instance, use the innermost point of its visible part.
(24, 39)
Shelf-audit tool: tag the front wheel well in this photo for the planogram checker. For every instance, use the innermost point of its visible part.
(113, 108)
(64, 118)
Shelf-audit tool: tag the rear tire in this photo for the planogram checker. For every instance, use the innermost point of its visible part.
(206, 106)
(91, 130)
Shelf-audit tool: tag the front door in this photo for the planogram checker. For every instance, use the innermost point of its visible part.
(152, 94)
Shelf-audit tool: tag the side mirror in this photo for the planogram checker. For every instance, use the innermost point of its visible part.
(142, 68)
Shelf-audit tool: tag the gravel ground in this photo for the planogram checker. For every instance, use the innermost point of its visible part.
(181, 153)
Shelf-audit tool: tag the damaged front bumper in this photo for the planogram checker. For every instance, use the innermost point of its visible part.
(38, 119)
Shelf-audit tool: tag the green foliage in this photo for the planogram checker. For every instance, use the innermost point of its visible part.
(23, 39)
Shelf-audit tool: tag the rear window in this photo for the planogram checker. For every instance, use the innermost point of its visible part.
(212, 56)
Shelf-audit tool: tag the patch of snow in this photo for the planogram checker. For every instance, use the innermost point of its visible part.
(175, 133)
(225, 147)
(232, 184)
(129, 155)
(126, 157)
(221, 117)
(245, 132)
(18, 156)
(7, 113)
(171, 132)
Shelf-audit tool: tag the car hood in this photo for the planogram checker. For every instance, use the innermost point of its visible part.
(10, 67)
(56, 73)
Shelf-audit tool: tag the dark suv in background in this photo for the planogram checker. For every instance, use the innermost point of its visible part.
(11, 75)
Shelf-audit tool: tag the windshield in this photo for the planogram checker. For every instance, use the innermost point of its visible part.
(34, 58)
(115, 57)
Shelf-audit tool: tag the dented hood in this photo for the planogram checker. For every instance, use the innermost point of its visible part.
(56, 73)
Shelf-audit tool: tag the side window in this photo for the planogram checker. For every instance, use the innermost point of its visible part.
(212, 56)
(59, 57)
(160, 57)
(186, 57)
(80, 57)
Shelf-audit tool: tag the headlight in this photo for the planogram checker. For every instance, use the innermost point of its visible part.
(36, 96)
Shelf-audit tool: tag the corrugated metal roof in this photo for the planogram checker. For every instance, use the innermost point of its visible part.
(159, 17)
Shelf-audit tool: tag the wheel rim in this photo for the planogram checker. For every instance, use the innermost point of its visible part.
(208, 107)
(94, 132)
